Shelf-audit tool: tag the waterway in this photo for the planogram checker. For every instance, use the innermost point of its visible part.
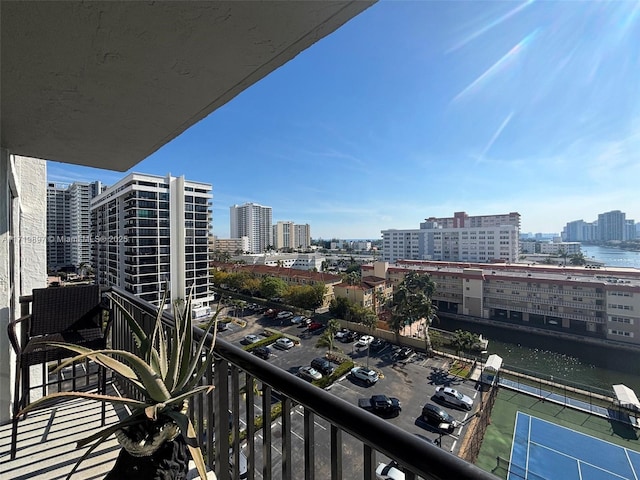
(596, 366)
(612, 257)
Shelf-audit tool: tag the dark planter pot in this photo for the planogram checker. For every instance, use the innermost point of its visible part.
(169, 462)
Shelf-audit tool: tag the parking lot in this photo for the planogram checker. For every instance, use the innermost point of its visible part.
(412, 381)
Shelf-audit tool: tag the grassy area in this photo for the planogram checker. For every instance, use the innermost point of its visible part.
(460, 369)
(499, 435)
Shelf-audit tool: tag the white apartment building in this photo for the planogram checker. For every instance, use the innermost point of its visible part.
(69, 224)
(478, 244)
(228, 245)
(558, 248)
(461, 238)
(297, 261)
(151, 230)
(253, 221)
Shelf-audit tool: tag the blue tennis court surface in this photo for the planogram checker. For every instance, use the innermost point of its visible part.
(544, 450)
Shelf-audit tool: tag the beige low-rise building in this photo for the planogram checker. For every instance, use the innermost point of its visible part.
(372, 292)
(595, 302)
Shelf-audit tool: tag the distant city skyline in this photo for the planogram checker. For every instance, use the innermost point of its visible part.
(417, 109)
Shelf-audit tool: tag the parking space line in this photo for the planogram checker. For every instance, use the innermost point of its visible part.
(299, 412)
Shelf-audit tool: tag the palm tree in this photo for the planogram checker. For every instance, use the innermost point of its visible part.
(412, 303)
(578, 259)
(562, 253)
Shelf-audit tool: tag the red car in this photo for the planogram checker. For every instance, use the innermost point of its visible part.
(315, 326)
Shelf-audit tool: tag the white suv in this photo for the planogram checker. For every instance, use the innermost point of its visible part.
(365, 374)
(284, 343)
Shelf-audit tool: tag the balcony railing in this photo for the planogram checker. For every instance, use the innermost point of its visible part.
(331, 434)
(290, 428)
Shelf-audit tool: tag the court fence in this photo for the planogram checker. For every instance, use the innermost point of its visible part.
(563, 391)
(470, 449)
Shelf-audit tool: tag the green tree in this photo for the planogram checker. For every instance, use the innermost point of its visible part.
(253, 285)
(352, 278)
(578, 259)
(339, 307)
(309, 297)
(271, 287)
(412, 303)
(463, 340)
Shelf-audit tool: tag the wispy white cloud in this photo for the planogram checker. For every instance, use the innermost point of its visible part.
(485, 28)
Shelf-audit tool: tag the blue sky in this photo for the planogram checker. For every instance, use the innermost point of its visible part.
(424, 108)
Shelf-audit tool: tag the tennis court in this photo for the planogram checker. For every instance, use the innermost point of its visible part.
(543, 450)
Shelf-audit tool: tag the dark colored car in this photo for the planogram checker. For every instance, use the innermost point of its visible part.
(348, 336)
(323, 365)
(262, 352)
(405, 352)
(378, 344)
(438, 417)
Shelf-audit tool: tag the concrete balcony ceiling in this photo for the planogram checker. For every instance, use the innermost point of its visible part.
(105, 84)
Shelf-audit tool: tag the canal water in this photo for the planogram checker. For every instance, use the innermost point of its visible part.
(596, 366)
(612, 257)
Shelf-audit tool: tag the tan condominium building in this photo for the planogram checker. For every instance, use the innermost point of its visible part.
(595, 302)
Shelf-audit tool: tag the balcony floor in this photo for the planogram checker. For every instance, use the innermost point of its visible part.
(46, 443)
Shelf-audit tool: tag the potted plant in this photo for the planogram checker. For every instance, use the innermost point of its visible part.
(158, 434)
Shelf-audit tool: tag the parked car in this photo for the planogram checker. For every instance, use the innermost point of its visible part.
(438, 417)
(341, 334)
(364, 341)
(262, 352)
(454, 397)
(222, 326)
(284, 343)
(364, 374)
(378, 344)
(313, 326)
(309, 373)
(352, 336)
(389, 471)
(297, 319)
(405, 352)
(381, 405)
(284, 314)
(323, 365)
(249, 339)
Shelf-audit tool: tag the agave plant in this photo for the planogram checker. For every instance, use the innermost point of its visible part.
(166, 373)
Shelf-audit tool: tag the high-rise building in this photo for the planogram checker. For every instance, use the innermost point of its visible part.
(302, 236)
(69, 224)
(579, 231)
(291, 235)
(612, 226)
(253, 221)
(283, 235)
(151, 231)
(461, 238)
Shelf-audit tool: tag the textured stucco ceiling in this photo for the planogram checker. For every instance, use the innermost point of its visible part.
(105, 84)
